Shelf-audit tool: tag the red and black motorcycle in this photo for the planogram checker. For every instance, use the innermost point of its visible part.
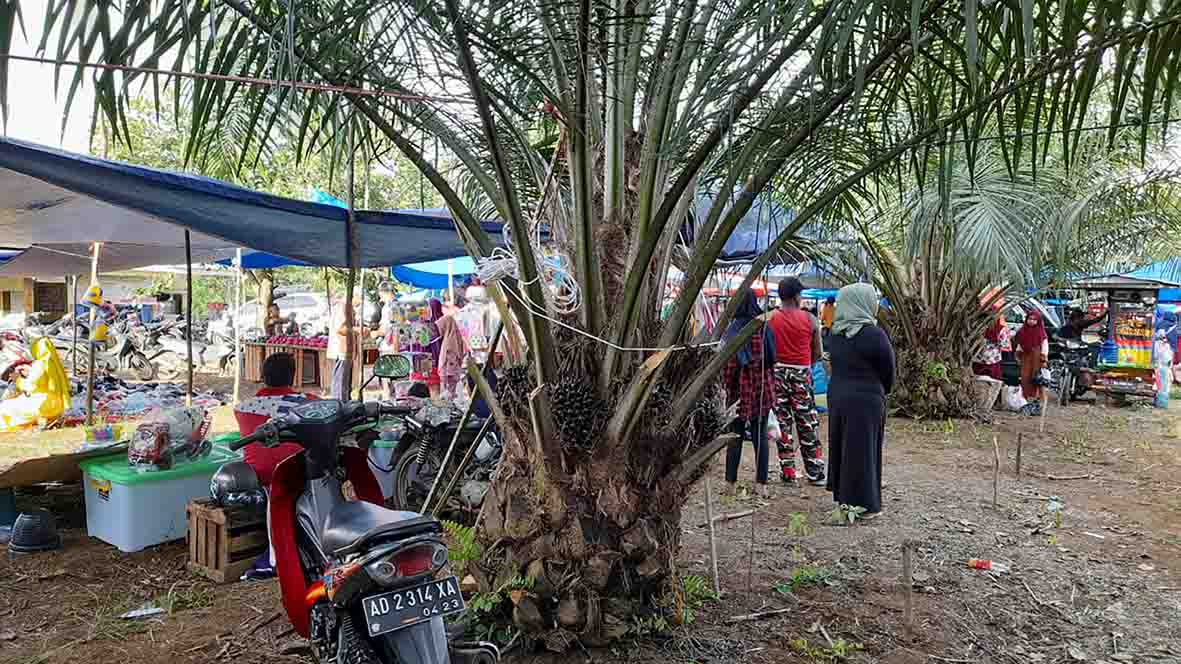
(357, 580)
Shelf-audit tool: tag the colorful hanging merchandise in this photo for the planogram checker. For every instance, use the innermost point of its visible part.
(472, 321)
(42, 390)
(1133, 339)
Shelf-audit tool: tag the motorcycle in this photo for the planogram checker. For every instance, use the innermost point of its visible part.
(356, 579)
(425, 445)
(1071, 370)
(118, 353)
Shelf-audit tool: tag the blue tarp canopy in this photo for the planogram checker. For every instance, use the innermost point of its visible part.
(62, 201)
(433, 274)
(1166, 270)
(757, 229)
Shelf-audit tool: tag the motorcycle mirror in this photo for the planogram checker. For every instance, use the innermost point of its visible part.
(392, 367)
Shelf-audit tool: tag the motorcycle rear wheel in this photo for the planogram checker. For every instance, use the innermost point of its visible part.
(412, 482)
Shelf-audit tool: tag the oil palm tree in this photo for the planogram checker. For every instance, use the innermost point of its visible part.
(599, 121)
(942, 255)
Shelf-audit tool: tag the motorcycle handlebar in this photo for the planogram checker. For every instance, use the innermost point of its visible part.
(272, 429)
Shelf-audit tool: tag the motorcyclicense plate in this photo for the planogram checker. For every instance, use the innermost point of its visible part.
(395, 610)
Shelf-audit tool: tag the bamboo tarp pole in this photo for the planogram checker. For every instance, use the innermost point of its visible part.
(237, 327)
(90, 344)
(451, 281)
(189, 315)
(350, 347)
(74, 325)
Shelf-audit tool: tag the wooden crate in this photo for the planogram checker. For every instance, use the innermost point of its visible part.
(224, 542)
(254, 354)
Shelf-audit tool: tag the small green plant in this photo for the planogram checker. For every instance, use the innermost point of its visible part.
(797, 525)
(484, 602)
(839, 651)
(464, 549)
(1055, 506)
(846, 514)
(803, 576)
(649, 626)
(1077, 448)
(694, 592)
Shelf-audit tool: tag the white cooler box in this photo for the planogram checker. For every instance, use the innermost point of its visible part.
(134, 510)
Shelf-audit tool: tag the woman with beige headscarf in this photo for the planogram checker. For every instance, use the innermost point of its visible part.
(862, 376)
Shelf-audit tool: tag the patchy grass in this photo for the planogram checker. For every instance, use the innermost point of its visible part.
(1076, 447)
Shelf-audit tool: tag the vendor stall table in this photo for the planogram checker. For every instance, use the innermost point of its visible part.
(312, 365)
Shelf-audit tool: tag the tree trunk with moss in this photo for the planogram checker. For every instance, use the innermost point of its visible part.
(581, 527)
(591, 525)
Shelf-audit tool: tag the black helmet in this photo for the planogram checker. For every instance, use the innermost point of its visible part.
(236, 484)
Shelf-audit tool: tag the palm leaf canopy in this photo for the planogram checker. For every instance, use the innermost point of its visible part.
(603, 119)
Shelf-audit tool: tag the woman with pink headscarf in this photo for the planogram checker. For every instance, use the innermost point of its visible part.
(436, 345)
(452, 350)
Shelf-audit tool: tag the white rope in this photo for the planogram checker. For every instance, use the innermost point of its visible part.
(524, 300)
(563, 291)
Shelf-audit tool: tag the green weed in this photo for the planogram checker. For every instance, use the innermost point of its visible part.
(464, 549)
(797, 525)
(839, 651)
(802, 577)
(846, 515)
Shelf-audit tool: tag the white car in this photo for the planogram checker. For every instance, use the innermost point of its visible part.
(307, 309)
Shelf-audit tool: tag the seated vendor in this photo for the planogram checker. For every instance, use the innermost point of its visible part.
(275, 323)
(276, 398)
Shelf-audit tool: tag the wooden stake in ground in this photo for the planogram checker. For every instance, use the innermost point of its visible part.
(750, 558)
(1045, 405)
(713, 541)
(996, 470)
(1019, 437)
(908, 547)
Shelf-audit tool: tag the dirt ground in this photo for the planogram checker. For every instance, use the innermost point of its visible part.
(1101, 586)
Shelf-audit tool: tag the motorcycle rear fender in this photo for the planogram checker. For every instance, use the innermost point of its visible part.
(287, 485)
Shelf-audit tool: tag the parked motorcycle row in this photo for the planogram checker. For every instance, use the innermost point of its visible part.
(358, 580)
(144, 351)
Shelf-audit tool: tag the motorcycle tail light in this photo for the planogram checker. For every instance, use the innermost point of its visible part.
(408, 563)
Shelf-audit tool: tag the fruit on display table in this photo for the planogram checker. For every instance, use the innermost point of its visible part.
(297, 340)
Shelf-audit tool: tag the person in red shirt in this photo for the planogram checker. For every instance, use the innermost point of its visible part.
(276, 398)
(797, 347)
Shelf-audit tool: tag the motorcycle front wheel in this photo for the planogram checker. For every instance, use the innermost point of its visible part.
(1065, 388)
(142, 367)
(413, 480)
(169, 366)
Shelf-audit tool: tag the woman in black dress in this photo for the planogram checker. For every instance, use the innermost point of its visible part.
(862, 375)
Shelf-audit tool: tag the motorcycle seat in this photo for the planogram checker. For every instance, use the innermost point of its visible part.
(350, 526)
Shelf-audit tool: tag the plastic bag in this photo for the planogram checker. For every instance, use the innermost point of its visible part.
(819, 379)
(773, 430)
(168, 438)
(1014, 400)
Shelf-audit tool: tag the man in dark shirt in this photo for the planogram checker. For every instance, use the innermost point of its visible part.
(1076, 322)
